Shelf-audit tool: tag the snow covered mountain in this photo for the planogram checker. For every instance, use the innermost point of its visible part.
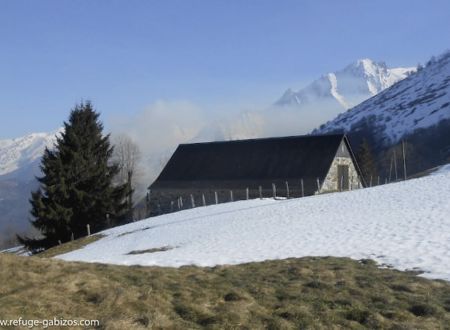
(416, 109)
(420, 101)
(19, 164)
(345, 88)
(22, 153)
(300, 112)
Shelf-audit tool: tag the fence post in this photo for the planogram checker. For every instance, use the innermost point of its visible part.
(88, 229)
(72, 238)
(274, 190)
(378, 182)
(287, 190)
(192, 201)
(370, 184)
(203, 200)
(260, 192)
(247, 197)
(404, 159)
(181, 201)
(318, 185)
(59, 242)
(171, 205)
(303, 188)
(231, 196)
(216, 198)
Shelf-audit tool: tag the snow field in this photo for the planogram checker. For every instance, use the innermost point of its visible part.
(405, 225)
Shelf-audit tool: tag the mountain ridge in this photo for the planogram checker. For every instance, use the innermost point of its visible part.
(19, 165)
(349, 86)
(414, 112)
(22, 151)
(419, 101)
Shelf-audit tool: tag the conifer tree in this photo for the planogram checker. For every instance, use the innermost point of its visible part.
(77, 187)
(366, 161)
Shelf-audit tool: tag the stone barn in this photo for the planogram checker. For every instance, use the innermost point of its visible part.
(218, 172)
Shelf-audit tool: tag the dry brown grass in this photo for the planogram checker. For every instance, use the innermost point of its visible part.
(153, 250)
(307, 293)
(69, 246)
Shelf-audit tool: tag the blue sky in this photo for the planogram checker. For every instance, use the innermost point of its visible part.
(125, 55)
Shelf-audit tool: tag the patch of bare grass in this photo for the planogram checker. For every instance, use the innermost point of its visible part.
(152, 250)
(306, 293)
(69, 246)
(135, 231)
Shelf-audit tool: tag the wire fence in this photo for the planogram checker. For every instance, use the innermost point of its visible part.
(278, 191)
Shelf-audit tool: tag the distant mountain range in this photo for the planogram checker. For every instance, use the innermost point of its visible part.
(19, 164)
(17, 154)
(300, 112)
(347, 87)
(416, 109)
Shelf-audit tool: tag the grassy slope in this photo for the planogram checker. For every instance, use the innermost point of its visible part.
(323, 293)
(69, 246)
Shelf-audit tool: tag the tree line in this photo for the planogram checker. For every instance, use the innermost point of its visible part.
(413, 156)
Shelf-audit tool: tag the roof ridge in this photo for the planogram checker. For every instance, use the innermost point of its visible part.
(268, 138)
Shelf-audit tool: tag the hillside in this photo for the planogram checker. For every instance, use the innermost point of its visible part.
(403, 225)
(307, 293)
(416, 109)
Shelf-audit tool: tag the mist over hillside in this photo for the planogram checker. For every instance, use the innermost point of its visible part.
(160, 127)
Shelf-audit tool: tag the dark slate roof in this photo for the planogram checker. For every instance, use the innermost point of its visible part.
(260, 160)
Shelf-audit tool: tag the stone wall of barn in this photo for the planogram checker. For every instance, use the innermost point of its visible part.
(331, 182)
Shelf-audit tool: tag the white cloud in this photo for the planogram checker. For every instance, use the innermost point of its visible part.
(163, 125)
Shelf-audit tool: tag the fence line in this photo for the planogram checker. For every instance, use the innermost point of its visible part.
(289, 191)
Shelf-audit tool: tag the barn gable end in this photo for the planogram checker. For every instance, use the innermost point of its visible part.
(343, 159)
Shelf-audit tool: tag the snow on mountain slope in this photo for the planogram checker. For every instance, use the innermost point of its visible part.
(24, 151)
(300, 112)
(347, 87)
(419, 101)
(404, 224)
(19, 164)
